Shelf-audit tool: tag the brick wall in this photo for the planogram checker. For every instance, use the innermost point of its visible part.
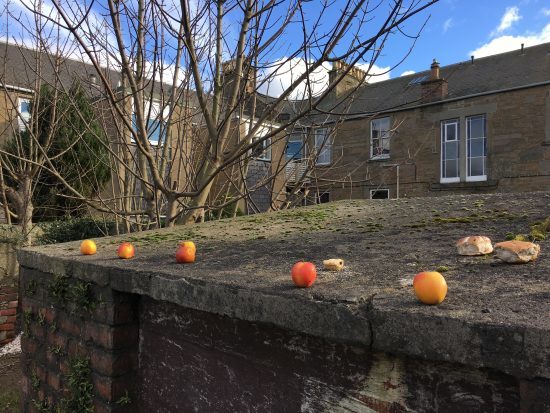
(75, 329)
(131, 353)
(8, 313)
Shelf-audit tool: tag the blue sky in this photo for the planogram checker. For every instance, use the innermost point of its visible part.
(459, 28)
(455, 29)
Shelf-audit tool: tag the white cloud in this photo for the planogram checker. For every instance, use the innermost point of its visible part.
(408, 72)
(511, 15)
(545, 12)
(280, 75)
(508, 43)
(448, 24)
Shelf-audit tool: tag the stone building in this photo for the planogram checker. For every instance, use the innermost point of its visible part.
(478, 125)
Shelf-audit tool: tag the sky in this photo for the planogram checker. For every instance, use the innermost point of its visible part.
(457, 29)
(452, 31)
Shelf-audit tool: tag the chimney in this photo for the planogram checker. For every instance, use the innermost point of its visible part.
(435, 88)
(230, 76)
(350, 81)
(435, 70)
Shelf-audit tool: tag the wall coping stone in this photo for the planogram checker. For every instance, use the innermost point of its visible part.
(495, 315)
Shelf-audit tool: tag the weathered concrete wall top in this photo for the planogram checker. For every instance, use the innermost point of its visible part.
(495, 315)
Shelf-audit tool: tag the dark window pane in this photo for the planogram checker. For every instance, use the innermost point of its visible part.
(451, 132)
(477, 147)
(477, 166)
(294, 150)
(381, 194)
(451, 150)
(451, 169)
(477, 127)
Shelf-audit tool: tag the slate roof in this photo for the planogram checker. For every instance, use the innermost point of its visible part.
(485, 75)
(18, 63)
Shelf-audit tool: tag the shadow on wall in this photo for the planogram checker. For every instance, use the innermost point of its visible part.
(8, 292)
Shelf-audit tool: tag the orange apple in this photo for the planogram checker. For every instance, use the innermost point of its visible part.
(303, 274)
(430, 287)
(126, 250)
(185, 254)
(189, 244)
(88, 247)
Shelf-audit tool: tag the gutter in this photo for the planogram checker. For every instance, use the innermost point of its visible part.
(16, 88)
(439, 102)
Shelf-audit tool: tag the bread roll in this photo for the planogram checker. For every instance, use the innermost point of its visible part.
(334, 264)
(517, 251)
(474, 245)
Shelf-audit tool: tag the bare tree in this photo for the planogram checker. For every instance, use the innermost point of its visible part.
(192, 108)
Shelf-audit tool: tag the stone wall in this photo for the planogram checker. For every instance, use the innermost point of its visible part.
(517, 146)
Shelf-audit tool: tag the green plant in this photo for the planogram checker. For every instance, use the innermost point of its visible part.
(35, 381)
(80, 295)
(30, 289)
(124, 400)
(57, 289)
(442, 268)
(9, 400)
(72, 229)
(80, 398)
(27, 319)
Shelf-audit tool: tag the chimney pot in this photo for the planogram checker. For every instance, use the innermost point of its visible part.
(435, 69)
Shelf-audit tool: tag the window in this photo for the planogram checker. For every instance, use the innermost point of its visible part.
(464, 149)
(476, 148)
(295, 148)
(379, 194)
(24, 113)
(380, 138)
(156, 124)
(262, 151)
(323, 146)
(450, 144)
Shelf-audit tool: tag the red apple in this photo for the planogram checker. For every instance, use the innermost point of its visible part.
(303, 274)
(185, 254)
(126, 250)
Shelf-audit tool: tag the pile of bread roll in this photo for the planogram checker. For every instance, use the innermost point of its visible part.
(513, 252)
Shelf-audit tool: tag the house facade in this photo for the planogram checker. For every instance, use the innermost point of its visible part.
(480, 125)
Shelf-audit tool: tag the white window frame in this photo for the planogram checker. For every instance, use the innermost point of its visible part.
(265, 155)
(155, 106)
(23, 118)
(469, 177)
(300, 136)
(372, 191)
(323, 149)
(384, 136)
(444, 123)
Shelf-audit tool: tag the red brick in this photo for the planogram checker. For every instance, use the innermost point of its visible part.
(113, 364)
(10, 334)
(28, 345)
(100, 407)
(7, 326)
(12, 319)
(68, 325)
(114, 314)
(111, 337)
(112, 389)
(37, 331)
(9, 311)
(76, 349)
(8, 297)
(54, 380)
(7, 290)
(6, 341)
(49, 314)
(12, 304)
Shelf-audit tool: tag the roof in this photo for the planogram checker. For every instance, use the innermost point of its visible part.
(19, 63)
(484, 75)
